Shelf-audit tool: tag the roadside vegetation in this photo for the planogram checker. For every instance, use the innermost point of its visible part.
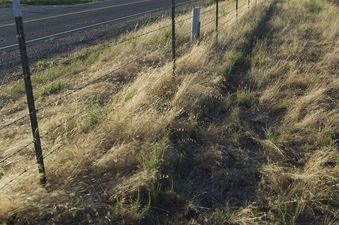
(246, 132)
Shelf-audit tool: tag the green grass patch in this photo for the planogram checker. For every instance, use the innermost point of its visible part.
(151, 161)
(91, 119)
(50, 74)
(163, 38)
(134, 209)
(244, 98)
(52, 89)
(219, 216)
(269, 134)
(13, 89)
(233, 58)
(45, 73)
(288, 213)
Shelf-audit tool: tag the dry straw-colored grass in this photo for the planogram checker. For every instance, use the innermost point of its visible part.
(245, 133)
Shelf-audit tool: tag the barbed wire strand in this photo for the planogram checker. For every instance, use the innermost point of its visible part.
(13, 122)
(12, 180)
(121, 42)
(118, 43)
(15, 153)
(72, 117)
(91, 26)
(59, 147)
(75, 115)
(124, 41)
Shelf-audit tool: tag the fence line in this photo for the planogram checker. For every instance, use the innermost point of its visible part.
(121, 42)
(13, 122)
(62, 34)
(15, 153)
(115, 44)
(75, 58)
(74, 115)
(13, 179)
(82, 28)
(109, 74)
(75, 13)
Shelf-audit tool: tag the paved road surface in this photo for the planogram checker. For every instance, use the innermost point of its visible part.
(43, 21)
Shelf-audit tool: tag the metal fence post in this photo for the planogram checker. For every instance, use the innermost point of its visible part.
(196, 24)
(216, 19)
(236, 8)
(29, 90)
(173, 37)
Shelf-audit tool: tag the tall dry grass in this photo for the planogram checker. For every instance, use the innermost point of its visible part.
(104, 124)
(245, 133)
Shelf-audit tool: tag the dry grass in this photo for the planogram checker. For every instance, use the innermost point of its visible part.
(245, 133)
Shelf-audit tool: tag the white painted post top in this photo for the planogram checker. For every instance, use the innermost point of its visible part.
(17, 8)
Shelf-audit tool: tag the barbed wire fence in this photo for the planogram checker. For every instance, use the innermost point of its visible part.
(229, 7)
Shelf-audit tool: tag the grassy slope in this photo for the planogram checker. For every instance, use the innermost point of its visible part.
(244, 134)
(47, 2)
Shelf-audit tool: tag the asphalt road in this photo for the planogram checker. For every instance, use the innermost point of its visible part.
(47, 21)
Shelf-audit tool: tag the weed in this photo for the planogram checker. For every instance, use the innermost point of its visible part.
(288, 213)
(321, 138)
(229, 100)
(244, 98)
(135, 209)
(53, 88)
(55, 72)
(314, 6)
(15, 88)
(232, 58)
(40, 65)
(269, 134)
(82, 38)
(208, 2)
(164, 36)
(151, 161)
(92, 118)
(92, 58)
(219, 216)
(223, 12)
(285, 103)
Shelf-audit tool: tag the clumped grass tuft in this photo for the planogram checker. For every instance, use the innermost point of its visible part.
(233, 57)
(289, 212)
(219, 216)
(15, 88)
(269, 134)
(52, 89)
(91, 118)
(314, 6)
(244, 98)
(164, 37)
(151, 161)
(134, 209)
